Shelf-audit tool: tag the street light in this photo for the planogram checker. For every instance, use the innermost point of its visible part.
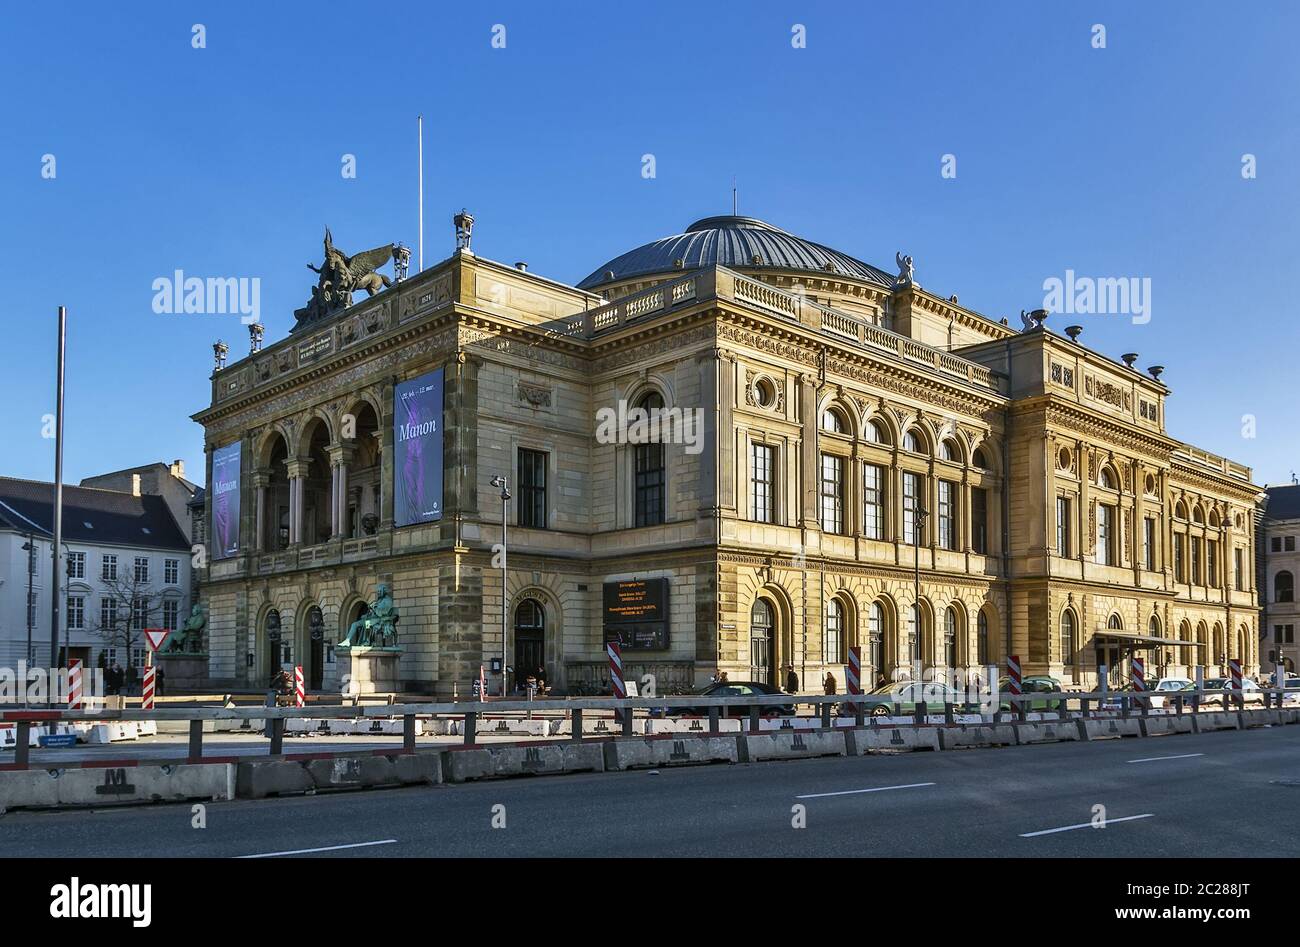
(500, 481)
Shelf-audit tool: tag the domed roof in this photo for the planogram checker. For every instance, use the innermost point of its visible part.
(736, 242)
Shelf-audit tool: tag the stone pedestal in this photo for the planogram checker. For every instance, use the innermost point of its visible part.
(182, 672)
(368, 670)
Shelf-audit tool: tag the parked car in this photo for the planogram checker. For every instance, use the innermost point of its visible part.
(1036, 687)
(781, 708)
(905, 695)
(1174, 684)
(1251, 693)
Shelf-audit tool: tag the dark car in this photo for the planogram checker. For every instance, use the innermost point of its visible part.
(780, 708)
(1039, 688)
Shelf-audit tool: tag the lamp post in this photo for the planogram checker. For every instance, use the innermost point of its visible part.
(500, 481)
(30, 548)
(920, 513)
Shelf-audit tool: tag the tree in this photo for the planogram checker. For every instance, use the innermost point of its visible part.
(135, 606)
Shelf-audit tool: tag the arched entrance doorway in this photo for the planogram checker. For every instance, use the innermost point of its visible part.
(762, 627)
(315, 671)
(275, 646)
(530, 639)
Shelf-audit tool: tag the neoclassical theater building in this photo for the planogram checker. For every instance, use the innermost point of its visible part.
(871, 466)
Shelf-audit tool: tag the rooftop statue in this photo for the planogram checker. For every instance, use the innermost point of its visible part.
(905, 272)
(342, 275)
(377, 626)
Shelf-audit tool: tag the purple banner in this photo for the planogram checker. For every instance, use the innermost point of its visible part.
(417, 446)
(225, 501)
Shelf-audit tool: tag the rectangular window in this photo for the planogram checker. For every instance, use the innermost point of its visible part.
(139, 613)
(171, 571)
(913, 533)
(141, 569)
(1238, 569)
(531, 510)
(1180, 557)
(1284, 634)
(108, 614)
(31, 608)
(979, 520)
(76, 565)
(1288, 543)
(832, 494)
(1212, 562)
(873, 501)
(1276, 544)
(171, 613)
(1105, 534)
(76, 612)
(1149, 543)
(137, 656)
(1196, 561)
(1063, 527)
(947, 515)
(108, 569)
(762, 462)
(649, 506)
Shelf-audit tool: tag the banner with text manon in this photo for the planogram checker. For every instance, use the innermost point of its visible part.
(225, 500)
(417, 444)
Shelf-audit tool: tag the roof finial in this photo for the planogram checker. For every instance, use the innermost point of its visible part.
(733, 196)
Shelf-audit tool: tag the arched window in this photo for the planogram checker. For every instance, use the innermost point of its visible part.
(949, 450)
(876, 433)
(1198, 515)
(978, 459)
(982, 638)
(950, 637)
(530, 640)
(1069, 645)
(1115, 623)
(761, 635)
(1284, 587)
(833, 421)
(876, 637)
(1180, 510)
(833, 644)
(912, 442)
(1106, 478)
(650, 472)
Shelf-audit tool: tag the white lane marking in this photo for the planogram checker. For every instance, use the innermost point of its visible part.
(1085, 825)
(327, 848)
(1152, 759)
(854, 792)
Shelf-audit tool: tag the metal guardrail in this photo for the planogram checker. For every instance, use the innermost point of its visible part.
(1104, 704)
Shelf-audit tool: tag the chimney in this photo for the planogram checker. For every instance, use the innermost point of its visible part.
(135, 485)
(178, 469)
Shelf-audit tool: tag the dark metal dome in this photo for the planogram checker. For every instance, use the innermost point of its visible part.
(736, 242)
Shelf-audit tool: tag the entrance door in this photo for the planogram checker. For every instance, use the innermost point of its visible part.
(760, 643)
(530, 640)
(316, 649)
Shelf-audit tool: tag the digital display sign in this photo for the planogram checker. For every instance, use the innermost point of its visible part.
(636, 613)
(226, 463)
(417, 446)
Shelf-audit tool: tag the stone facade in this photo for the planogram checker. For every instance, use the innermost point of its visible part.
(784, 530)
(1279, 547)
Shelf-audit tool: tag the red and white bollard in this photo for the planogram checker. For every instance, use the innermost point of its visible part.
(1139, 674)
(74, 684)
(1234, 669)
(1013, 674)
(299, 688)
(616, 684)
(147, 689)
(853, 676)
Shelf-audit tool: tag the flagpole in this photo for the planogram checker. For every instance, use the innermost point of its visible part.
(420, 128)
(55, 583)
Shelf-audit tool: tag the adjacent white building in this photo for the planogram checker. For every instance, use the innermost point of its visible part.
(1279, 547)
(127, 568)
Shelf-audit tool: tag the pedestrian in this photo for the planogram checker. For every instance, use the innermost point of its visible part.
(791, 680)
(722, 677)
(828, 685)
(158, 682)
(115, 679)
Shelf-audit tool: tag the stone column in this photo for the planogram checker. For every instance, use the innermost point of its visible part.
(297, 471)
(809, 475)
(261, 480)
(340, 456)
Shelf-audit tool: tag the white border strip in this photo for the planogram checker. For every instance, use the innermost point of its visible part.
(1086, 825)
(327, 848)
(854, 792)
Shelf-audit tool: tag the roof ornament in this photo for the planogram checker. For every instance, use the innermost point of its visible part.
(906, 275)
(219, 351)
(340, 276)
(1032, 320)
(464, 224)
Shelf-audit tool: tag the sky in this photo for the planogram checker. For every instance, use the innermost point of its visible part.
(1122, 160)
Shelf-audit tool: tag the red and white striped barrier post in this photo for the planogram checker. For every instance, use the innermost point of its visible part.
(147, 689)
(1013, 678)
(616, 675)
(1234, 669)
(1139, 674)
(299, 688)
(74, 684)
(853, 676)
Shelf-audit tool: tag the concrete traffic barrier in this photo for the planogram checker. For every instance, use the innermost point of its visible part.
(506, 726)
(486, 762)
(261, 778)
(992, 734)
(415, 768)
(1111, 728)
(1217, 720)
(1166, 725)
(792, 744)
(1047, 731)
(878, 739)
(352, 772)
(693, 725)
(114, 785)
(667, 751)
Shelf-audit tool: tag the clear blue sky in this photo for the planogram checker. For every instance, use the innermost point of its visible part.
(225, 161)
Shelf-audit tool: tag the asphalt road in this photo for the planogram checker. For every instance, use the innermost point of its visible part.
(1196, 795)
